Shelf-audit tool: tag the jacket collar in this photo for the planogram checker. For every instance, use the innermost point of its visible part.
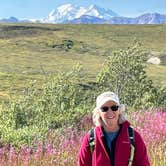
(125, 124)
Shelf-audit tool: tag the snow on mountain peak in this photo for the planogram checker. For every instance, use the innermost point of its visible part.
(93, 11)
(65, 8)
(80, 12)
(69, 12)
(92, 6)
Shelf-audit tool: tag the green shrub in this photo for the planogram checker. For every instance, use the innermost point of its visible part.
(65, 97)
(124, 73)
(60, 102)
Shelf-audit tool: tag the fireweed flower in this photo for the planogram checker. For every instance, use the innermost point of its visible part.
(61, 148)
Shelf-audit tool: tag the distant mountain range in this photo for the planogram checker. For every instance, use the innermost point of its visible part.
(93, 14)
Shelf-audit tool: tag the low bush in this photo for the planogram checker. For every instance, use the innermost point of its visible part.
(65, 98)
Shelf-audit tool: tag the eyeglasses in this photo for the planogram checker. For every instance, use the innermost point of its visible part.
(106, 108)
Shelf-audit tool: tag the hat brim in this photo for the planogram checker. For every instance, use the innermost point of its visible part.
(105, 100)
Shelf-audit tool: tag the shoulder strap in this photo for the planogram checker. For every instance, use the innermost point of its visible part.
(92, 139)
(132, 147)
(131, 134)
(131, 137)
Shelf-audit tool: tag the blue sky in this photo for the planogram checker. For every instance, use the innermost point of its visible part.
(41, 8)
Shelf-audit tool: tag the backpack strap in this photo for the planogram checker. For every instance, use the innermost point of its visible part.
(132, 146)
(131, 137)
(92, 140)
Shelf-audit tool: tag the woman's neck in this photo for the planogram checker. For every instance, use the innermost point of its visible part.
(111, 128)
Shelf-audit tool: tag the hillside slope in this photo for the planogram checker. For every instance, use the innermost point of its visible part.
(31, 51)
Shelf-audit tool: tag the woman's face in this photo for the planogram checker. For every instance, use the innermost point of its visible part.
(110, 118)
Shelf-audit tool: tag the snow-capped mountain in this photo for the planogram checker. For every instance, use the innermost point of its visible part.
(85, 19)
(99, 12)
(148, 18)
(70, 12)
(151, 18)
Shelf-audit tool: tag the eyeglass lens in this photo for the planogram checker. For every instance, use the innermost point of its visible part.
(106, 108)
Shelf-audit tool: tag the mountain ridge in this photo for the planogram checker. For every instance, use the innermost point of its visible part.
(72, 14)
(68, 12)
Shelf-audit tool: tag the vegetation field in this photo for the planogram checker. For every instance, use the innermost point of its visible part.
(30, 52)
(51, 74)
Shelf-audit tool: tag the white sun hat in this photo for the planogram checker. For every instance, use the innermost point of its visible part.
(105, 97)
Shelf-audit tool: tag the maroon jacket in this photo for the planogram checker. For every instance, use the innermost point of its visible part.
(100, 156)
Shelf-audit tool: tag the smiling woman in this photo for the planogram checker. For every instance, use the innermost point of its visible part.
(105, 102)
(109, 115)
(112, 137)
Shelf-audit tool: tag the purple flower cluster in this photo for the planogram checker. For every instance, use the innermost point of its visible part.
(152, 127)
(61, 147)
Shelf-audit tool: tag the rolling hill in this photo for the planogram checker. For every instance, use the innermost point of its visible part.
(31, 52)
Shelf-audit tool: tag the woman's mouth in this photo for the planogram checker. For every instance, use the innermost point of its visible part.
(111, 117)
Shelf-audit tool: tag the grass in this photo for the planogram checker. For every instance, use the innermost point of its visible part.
(32, 51)
(157, 73)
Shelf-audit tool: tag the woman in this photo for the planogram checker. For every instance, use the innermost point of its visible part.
(112, 146)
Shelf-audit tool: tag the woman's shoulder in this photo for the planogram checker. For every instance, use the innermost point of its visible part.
(137, 134)
(92, 131)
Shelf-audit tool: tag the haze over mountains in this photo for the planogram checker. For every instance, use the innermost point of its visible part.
(93, 14)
